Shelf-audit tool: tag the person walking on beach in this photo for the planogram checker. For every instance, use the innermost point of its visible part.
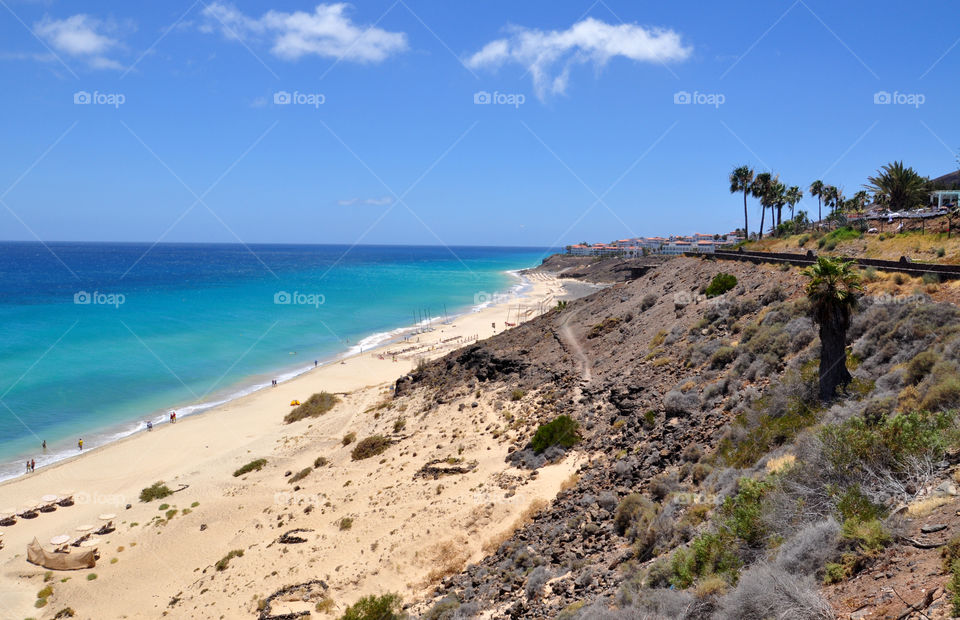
(173, 417)
(33, 465)
(80, 443)
(149, 425)
(44, 445)
(28, 466)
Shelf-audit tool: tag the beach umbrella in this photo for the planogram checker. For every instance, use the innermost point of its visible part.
(107, 516)
(49, 498)
(84, 528)
(32, 503)
(92, 542)
(59, 540)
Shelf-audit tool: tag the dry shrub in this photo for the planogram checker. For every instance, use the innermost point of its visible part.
(570, 482)
(447, 558)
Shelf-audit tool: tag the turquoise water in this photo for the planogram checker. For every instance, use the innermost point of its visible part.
(189, 326)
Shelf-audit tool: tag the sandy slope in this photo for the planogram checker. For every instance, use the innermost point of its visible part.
(404, 527)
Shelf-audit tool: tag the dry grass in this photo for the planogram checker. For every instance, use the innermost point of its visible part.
(572, 481)
(525, 517)
(780, 463)
(927, 505)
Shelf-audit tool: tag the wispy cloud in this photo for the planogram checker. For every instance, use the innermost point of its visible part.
(82, 37)
(327, 32)
(369, 202)
(548, 56)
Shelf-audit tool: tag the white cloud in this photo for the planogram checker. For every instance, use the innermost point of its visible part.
(374, 202)
(326, 32)
(587, 41)
(81, 36)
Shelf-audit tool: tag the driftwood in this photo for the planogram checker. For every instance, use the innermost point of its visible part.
(290, 538)
(440, 467)
(300, 588)
(916, 607)
(922, 545)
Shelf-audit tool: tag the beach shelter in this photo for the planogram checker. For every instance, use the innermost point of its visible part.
(74, 560)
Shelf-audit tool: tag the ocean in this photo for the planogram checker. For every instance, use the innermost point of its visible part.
(98, 338)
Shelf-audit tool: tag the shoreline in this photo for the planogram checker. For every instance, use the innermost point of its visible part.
(147, 561)
(253, 384)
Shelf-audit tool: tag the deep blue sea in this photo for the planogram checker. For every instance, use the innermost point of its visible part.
(97, 338)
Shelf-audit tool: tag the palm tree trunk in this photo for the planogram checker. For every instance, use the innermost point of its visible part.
(819, 212)
(833, 356)
(763, 215)
(746, 230)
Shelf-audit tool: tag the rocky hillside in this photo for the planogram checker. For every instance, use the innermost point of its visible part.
(716, 485)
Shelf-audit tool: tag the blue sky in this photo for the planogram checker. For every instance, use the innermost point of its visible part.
(383, 142)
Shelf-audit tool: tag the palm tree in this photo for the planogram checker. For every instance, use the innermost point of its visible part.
(832, 197)
(816, 189)
(793, 196)
(832, 292)
(761, 188)
(903, 186)
(778, 198)
(740, 180)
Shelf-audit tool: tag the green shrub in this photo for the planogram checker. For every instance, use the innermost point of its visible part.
(954, 586)
(944, 394)
(562, 431)
(870, 536)
(920, 366)
(249, 467)
(802, 241)
(742, 514)
(158, 490)
(223, 562)
(709, 554)
(721, 283)
(723, 356)
(830, 245)
(950, 552)
(349, 438)
(941, 252)
(45, 592)
(300, 475)
(931, 278)
(345, 523)
(384, 607)
(854, 504)
(400, 424)
(91, 576)
(834, 573)
(371, 446)
(320, 461)
(517, 394)
(316, 405)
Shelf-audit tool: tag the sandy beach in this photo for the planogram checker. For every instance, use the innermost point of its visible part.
(371, 526)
